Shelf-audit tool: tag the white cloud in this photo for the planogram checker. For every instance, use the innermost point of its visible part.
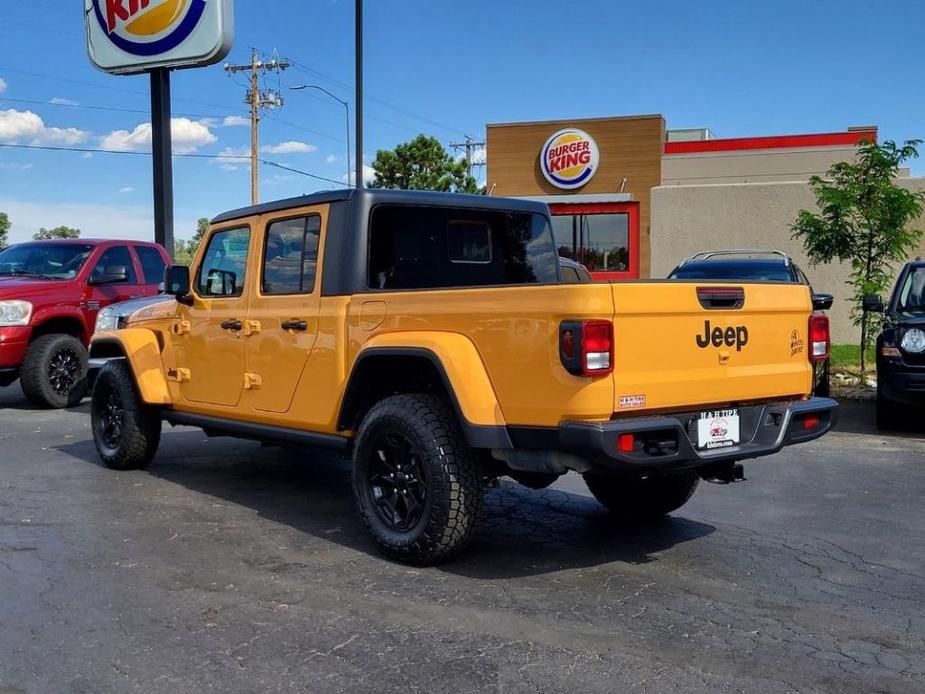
(16, 126)
(369, 174)
(2, 85)
(290, 147)
(15, 166)
(127, 189)
(330, 159)
(235, 121)
(95, 221)
(233, 158)
(61, 101)
(188, 136)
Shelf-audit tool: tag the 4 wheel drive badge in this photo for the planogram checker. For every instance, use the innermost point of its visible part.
(796, 343)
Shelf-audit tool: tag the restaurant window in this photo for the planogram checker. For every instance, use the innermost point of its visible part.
(600, 242)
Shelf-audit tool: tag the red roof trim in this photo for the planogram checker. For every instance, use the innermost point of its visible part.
(853, 137)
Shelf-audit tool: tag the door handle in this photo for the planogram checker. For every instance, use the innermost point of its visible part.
(233, 324)
(294, 325)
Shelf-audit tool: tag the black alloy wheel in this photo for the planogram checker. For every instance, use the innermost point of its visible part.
(396, 482)
(111, 418)
(64, 371)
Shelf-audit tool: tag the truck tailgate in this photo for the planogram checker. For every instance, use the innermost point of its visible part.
(693, 344)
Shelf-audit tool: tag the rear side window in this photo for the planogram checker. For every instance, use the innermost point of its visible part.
(433, 247)
(152, 264)
(224, 264)
(115, 261)
(290, 258)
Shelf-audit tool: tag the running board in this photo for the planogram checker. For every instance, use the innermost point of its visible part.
(259, 432)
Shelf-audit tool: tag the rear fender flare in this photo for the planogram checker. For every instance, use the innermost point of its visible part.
(464, 376)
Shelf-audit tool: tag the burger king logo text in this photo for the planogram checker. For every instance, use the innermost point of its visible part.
(569, 158)
(148, 27)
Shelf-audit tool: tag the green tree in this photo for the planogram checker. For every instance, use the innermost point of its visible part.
(183, 250)
(61, 232)
(422, 164)
(863, 220)
(4, 228)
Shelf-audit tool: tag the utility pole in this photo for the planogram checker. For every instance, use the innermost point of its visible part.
(258, 99)
(469, 146)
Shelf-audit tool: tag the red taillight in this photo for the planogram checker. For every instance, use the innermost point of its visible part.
(596, 347)
(586, 347)
(810, 421)
(625, 443)
(818, 338)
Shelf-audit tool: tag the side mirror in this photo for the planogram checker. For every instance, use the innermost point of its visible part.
(177, 283)
(873, 303)
(822, 302)
(113, 275)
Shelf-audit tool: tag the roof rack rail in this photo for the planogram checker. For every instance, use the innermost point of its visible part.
(706, 255)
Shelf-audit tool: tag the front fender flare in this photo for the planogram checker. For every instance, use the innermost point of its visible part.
(141, 349)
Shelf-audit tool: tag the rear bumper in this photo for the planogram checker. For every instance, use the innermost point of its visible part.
(14, 341)
(665, 442)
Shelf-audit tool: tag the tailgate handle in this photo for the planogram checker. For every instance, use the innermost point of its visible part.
(721, 297)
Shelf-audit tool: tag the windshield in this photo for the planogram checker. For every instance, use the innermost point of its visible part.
(755, 270)
(912, 295)
(54, 261)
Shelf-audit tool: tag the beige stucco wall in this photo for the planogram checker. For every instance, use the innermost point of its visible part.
(691, 218)
(751, 166)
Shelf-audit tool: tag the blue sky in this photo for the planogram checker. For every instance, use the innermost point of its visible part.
(440, 67)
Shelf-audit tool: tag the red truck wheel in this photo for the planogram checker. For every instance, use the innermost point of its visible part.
(54, 372)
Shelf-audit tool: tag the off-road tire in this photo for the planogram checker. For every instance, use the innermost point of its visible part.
(139, 433)
(34, 373)
(635, 500)
(452, 478)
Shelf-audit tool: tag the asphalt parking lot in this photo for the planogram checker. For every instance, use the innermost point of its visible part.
(231, 567)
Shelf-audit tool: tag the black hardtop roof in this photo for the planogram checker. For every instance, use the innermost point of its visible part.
(374, 196)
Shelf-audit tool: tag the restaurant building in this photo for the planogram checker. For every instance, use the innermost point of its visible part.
(630, 198)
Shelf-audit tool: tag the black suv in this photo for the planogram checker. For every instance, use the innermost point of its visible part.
(756, 266)
(901, 346)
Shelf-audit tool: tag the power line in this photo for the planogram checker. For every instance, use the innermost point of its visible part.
(382, 102)
(187, 155)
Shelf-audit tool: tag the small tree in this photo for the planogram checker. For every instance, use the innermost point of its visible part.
(863, 220)
(61, 232)
(183, 250)
(422, 164)
(4, 228)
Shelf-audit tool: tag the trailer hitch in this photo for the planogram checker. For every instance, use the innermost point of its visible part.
(723, 473)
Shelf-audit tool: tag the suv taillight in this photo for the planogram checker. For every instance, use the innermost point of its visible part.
(586, 347)
(818, 338)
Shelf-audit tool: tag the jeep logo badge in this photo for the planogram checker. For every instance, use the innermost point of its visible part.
(733, 335)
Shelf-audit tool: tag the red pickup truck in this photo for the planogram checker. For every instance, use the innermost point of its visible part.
(50, 294)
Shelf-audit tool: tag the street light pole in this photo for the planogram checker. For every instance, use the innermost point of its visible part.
(359, 91)
(346, 106)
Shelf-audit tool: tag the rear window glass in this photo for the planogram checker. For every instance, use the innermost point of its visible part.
(432, 247)
(759, 271)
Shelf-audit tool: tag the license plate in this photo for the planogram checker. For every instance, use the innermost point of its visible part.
(718, 429)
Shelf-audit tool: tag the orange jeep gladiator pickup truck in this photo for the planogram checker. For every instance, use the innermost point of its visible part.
(431, 336)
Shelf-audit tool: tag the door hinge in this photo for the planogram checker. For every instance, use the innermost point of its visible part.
(179, 375)
(180, 327)
(252, 382)
(251, 327)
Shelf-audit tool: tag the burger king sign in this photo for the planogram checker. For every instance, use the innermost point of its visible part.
(569, 158)
(126, 36)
